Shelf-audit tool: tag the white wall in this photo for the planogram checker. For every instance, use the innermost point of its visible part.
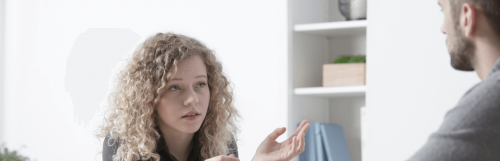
(43, 104)
(411, 84)
(2, 19)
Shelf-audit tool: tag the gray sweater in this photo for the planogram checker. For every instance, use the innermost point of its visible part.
(471, 130)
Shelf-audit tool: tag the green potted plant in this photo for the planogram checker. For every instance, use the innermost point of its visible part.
(6, 155)
(345, 71)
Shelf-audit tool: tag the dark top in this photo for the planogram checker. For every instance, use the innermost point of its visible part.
(471, 130)
(162, 150)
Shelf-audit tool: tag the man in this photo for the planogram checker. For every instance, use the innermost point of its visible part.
(471, 130)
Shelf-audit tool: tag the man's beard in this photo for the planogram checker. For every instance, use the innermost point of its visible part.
(462, 53)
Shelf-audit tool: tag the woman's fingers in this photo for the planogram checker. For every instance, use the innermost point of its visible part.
(301, 126)
(302, 132)
(304, 129)
(224, 158)
(302, 144)
(292, 149)
(295, 144)
(301, 136)
(231, 158)
(276, 133)
(298, 142)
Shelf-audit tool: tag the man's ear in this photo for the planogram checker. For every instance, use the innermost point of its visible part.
(468, 19)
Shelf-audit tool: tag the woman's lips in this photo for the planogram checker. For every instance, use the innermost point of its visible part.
(194, 117)
(191, 114)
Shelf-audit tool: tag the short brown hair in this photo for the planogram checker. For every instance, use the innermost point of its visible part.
(490, 8)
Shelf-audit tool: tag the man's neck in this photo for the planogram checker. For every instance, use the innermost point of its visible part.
(487, 54)
(179, 144)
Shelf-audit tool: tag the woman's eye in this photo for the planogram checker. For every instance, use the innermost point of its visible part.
(201, 85)
(174, 88)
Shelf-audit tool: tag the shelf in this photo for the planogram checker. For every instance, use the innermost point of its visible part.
(333, 28)
(331, 91)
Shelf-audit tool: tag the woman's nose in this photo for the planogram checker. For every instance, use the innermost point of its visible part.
(191, 98)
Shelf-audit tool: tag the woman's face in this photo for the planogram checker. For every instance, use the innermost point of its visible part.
(184, 105)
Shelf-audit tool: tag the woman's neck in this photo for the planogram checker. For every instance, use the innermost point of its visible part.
(179, 144)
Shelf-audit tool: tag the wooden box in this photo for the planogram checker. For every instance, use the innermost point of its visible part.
(348, 74)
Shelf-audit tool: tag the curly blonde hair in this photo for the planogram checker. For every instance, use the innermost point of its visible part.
(131, 120)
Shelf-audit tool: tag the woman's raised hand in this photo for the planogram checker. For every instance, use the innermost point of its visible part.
(223, 158)
(271, 150)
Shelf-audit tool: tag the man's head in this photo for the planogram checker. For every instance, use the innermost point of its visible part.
(462, 20)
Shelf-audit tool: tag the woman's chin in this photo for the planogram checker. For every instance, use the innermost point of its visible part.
(190, 127)
(191, 130)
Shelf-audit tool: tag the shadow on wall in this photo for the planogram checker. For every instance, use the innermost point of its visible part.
(89, 67)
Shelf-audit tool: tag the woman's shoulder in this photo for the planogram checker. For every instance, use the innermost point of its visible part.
(109, 148)
(233, 147)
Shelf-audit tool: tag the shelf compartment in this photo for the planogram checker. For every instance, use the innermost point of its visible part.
(333, 28)
(331, 91)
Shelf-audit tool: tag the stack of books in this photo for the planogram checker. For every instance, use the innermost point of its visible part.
(325, 142)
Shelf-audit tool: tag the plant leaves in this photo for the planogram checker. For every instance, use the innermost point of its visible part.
(350, 59)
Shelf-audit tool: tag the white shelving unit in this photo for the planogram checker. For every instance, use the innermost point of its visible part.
(318, 34)
(333, 28)
(330, 92)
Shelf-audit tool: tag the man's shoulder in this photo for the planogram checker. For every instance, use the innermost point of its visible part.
(469, 131)
(479, 108)
(488, 90)
(493, 78)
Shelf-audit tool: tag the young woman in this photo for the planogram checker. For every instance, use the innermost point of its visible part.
(173, 103)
